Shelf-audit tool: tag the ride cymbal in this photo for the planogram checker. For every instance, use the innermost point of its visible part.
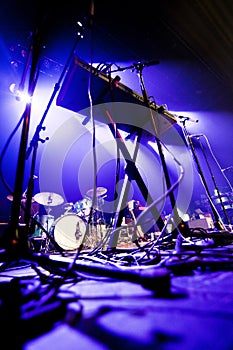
(99, 191)
(48, 199)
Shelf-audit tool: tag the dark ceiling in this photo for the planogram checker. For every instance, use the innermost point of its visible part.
(191, 39)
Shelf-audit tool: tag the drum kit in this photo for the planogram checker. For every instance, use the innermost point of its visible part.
(69, 229)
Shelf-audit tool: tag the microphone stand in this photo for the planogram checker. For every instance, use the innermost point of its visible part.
(33, 147)
(215, 184)
(179, 226)
(16, 237)
(219, 225)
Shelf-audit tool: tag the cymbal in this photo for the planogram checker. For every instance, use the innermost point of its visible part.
(99, 191)
(10, 198)
(48, 199)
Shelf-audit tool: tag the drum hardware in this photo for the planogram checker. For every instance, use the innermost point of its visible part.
(68, 207)
(95, 236)
(97, 204)
(39, 238)
(136, 231)
(83, 207)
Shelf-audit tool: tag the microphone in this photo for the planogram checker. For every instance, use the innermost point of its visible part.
(146, 64)
(188, 118)
(150, 63)
(196, 135)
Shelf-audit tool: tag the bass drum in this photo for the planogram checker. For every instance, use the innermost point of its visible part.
(69, 231)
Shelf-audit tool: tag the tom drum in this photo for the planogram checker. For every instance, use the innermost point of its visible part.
(83, 207)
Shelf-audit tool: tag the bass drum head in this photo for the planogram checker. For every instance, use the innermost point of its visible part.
(69, 231)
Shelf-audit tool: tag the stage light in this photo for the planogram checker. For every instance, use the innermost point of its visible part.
(19, 95)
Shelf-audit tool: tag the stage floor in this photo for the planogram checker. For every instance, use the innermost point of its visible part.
(131, 298)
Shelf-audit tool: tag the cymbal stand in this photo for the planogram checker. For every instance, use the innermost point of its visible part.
(217, 219)
(99, 211)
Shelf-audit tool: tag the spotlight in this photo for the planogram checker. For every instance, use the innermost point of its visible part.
(19, 95)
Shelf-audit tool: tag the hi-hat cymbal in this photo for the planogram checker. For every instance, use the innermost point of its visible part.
(48, 199)
(99, 191)
(10, 198)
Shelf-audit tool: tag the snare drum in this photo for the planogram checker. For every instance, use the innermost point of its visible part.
(69, 231)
